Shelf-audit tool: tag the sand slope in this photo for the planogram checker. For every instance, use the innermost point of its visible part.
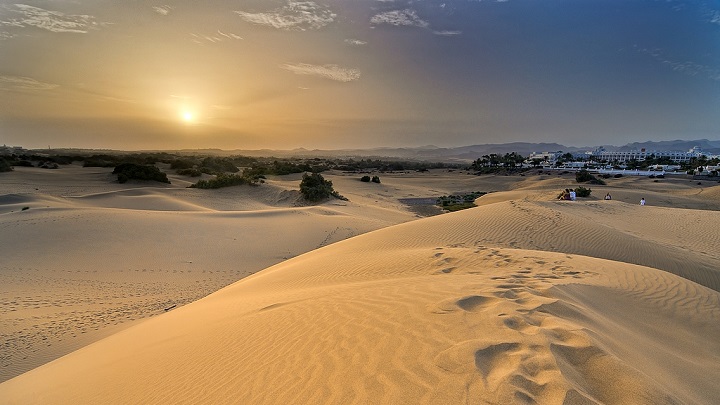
(430, 311)
(83, 256)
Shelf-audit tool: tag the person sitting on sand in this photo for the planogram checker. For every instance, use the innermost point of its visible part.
(608, 197)
(573, 195)
(642, 201)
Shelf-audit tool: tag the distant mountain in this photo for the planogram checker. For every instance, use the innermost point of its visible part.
(427, 152)
(677, 145)
(456, 154)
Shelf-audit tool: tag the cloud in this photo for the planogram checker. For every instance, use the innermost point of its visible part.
(54, 21)
(689, 68)
(162, 10)
(24, 83)
(333, 72)
(6, 35)
(355, 42)
(714, 17)
(296, 15)
(218, 36)
(405, 17)
(447, 33)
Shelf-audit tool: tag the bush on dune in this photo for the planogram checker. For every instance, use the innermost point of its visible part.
(224, 180)
(181, 164)
(128, 171)
(189, 172)
(217, 165)
(5, 166)
(314, 187)
(583, 192)
(583, 176)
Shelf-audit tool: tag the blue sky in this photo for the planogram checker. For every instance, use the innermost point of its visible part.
(356, 73)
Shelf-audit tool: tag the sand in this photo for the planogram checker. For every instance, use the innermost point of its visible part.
(523, 299)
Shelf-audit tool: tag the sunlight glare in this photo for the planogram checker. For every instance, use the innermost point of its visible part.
(187, 116)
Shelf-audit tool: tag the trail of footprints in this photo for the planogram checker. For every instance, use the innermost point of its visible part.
(520, 370)
(74, 303)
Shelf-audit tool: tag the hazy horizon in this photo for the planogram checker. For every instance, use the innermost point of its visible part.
(356, 74)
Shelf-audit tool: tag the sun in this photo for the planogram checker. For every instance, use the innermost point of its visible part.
(187, 116)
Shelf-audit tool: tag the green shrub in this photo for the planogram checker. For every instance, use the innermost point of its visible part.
(5, 166)
(216, 165)
(366, 179)
(314, 187)
(583, 192)
(127, 171)
(192, 172)
(224, 180)
(182, 164)
(583, 176)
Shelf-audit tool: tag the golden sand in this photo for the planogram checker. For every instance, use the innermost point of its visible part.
(523, 299)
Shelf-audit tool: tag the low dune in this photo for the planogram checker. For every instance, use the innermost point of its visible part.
(524, 299)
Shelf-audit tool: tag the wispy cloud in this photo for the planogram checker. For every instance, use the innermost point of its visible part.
(296, 15)
(447, 33)
(689, 68)
(162, 10)
(55, 21)
(355, 42)
(24, 83)
(333, 72)
(714, 16)
(218, 36)
(6, 35)
(405, 17)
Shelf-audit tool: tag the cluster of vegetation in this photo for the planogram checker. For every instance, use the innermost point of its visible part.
(5, 166)
(583, 176)
(314, 187)
(583, 192)
(225, 180)
(367, 179)
(128, 171)
(218, 165)
(493, 163)
(44, 162)
(192, 172)
(385, 166)
(459, 202)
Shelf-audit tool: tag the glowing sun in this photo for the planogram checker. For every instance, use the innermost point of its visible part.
(187, 116)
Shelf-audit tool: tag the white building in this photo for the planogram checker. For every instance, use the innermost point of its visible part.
(642, 154)
(549, 157)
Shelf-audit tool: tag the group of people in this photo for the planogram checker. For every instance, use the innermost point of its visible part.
(568, 194)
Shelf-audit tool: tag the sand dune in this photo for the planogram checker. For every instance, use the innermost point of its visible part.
(522, 300)
(422, 312)
(88, 256)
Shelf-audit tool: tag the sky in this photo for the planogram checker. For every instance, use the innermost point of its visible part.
(284, 74)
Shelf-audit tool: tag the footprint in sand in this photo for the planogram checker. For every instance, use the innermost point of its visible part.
(472, 303)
